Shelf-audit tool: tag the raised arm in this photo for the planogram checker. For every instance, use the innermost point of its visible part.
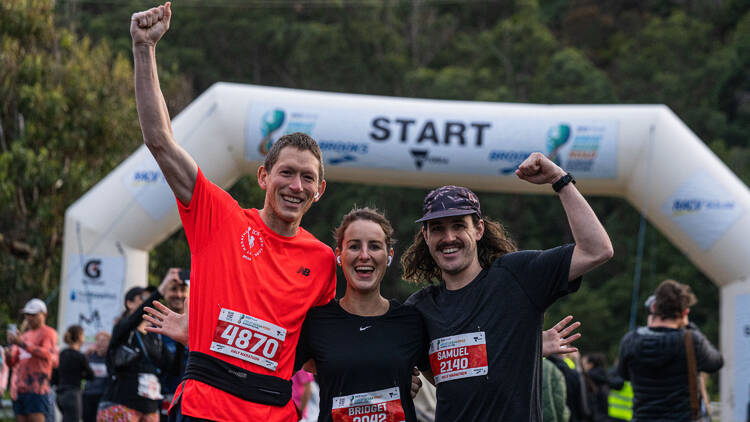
(593, 246)
(179, 169)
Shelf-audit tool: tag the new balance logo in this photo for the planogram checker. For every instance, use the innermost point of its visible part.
(304, 271)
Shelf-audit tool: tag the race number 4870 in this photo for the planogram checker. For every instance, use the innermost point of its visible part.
(243, 338)
(248, 338)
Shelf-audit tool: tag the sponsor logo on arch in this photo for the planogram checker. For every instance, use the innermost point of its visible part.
(703, 209)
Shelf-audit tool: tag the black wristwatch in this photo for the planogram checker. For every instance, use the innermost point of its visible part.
(563, 181)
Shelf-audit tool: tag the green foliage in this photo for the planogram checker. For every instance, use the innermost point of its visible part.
(67, 119)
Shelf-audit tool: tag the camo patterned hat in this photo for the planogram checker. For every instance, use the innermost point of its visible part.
(450, 201)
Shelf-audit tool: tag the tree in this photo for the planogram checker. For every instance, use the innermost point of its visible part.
(67, 117)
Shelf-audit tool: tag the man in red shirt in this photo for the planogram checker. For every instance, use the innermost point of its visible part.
(254, 274)
(32, 356)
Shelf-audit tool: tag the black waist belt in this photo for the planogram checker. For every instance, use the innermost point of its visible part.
(257, 388)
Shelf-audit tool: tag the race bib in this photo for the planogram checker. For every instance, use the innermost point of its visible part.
(149, 386)
(376, 406)
(99, 369)
(248, 338)
(461, 356)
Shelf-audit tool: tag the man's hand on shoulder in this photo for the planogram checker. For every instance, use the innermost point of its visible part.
(147, 27)
(538, 169)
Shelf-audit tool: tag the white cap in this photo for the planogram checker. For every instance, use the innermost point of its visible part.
(34, 306)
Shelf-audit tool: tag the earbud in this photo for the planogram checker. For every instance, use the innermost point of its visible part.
(338, 259)
(390, 259)
(317, 194)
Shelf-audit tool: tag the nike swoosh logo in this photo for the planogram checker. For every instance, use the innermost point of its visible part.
(364, 328)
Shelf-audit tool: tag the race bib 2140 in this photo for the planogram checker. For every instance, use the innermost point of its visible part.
(459, 356)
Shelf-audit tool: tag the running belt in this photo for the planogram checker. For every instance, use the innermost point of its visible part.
(257, 388)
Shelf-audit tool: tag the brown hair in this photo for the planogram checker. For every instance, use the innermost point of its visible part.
(672, 298)
(419, 266)
(369, 214)
(297, 140)
(73, 335)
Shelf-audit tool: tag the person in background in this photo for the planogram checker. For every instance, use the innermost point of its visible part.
(74, 366)
(554, 395)
(31, 356)
(94, 388)
(575, 390)
(654, 357)
(135, 358)
(302, 391)
(597, 385)
(175, 298)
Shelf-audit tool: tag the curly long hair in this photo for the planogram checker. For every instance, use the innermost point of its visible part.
(420, 268)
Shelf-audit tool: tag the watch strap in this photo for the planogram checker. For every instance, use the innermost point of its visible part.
(563, 181)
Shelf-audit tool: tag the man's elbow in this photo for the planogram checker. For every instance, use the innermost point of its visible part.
(157, 141)
(606, 253)
(599, 255)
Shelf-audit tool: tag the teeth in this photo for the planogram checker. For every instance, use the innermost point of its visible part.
(364, 268)
(291, 199)
(450, 250)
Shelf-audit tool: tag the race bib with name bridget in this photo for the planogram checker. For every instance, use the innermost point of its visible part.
(248, 338)
(459, 356)
(375, 406)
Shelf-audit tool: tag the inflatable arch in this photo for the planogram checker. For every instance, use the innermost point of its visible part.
(643, 153)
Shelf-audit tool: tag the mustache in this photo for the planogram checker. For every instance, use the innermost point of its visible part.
(443, 245)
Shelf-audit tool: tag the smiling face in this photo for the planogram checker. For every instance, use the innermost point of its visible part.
(364, 255)
(175, 296)
(290, 185)
(452, 242)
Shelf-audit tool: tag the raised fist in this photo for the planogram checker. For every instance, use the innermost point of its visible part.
(539, 169)
(149, 26)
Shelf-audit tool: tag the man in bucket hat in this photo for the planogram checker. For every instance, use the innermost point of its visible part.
(484, 317)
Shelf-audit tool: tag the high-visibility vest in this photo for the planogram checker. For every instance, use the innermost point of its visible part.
(621, 402)
(568, 361)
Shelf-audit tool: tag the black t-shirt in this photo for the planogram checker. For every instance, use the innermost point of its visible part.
(72, 369)
(486, 341)
(355, 355)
